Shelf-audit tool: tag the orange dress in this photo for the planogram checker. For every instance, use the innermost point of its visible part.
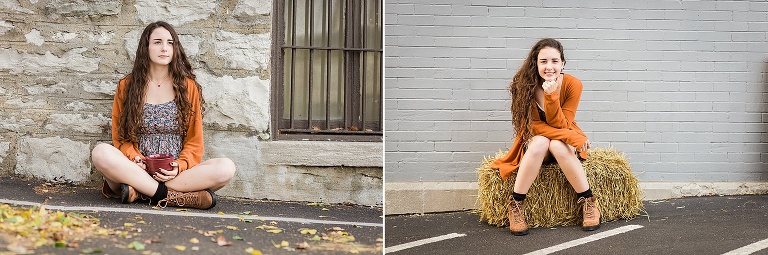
(560, 109)
(192, 147)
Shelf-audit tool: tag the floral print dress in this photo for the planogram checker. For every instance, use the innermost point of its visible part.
(160, 132)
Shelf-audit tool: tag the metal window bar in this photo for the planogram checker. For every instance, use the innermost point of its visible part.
(329, 18)
(293, 61)
(355, 53)
(364, 56)
(379, 9)
(311, 10)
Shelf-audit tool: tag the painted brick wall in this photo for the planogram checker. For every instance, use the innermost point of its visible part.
(680, 86)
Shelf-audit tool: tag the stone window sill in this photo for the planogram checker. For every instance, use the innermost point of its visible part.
(322, 153)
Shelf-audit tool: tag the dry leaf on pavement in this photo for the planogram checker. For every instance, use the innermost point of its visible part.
(221, 241)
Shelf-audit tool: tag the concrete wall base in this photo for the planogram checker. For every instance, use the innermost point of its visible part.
(425, 197)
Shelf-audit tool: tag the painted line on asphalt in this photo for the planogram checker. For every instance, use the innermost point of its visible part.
(584, 240)
(749, 249)
(194, 214)
(421, 242)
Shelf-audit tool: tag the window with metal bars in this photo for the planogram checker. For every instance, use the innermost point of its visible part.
(327, 80)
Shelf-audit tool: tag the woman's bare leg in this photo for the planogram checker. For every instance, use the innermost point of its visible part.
(117, 169)
(570, 164)
(538, 150)
(211, 174)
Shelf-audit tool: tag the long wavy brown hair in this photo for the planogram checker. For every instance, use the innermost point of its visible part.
(179, 69)
(523, 85)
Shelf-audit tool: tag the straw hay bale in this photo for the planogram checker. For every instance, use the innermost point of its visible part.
(551, 201)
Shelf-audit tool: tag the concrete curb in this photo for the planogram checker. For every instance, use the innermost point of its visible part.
(425, 197)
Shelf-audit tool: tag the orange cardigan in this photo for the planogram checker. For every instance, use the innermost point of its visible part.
(192, 147)
(560, 109)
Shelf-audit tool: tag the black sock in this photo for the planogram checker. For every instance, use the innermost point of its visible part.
(160, 193)
(517, 196)
(585, 194)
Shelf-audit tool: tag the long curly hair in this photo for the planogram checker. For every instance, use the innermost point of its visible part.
(179, 69)
(523, 85)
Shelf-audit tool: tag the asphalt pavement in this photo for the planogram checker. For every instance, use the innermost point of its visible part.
(171, 230)
(694, 225)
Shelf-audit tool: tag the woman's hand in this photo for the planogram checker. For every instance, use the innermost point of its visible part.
(163, 175)
(140, 162)
(552, 85)
(586, 146)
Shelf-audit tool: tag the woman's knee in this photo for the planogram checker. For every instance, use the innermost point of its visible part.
(538, 145)
(101, 154)
(225, 168)
(560, 149)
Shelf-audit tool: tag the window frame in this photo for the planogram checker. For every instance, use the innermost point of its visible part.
(349, 62)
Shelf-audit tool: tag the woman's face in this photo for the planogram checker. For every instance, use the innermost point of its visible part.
(549, 63)
(160, 46)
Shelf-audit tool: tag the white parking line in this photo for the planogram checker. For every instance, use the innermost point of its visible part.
(584, 240)
(749, 249)
(208, 215)
(421, 242)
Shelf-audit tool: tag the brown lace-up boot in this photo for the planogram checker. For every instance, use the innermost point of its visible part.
(591, 214)
(516, 220)
(128, 194)
(203, 199)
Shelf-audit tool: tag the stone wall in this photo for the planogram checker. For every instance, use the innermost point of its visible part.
(60, 61)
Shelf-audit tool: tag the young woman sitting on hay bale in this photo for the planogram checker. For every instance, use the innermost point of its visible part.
(544, 102)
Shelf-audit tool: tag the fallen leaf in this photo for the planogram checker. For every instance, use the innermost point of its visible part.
(302, 246)
(180, 247)
(275, 231)
(252, 251)
(237, 238)
(336, 229)
(153, 240)
(315, 238)
(247, 220)
(127, 224)
(60, 244)
(246, 212)
(136, 246)
(315, 128)
(194, 240)
(221, 241)
(307, 231)
(284, 243)
(221, 213)
(91, 251)
(272, 223)
(182, 210)
(195, 248)
(232, 227)
(324, 209)
(353, 128)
